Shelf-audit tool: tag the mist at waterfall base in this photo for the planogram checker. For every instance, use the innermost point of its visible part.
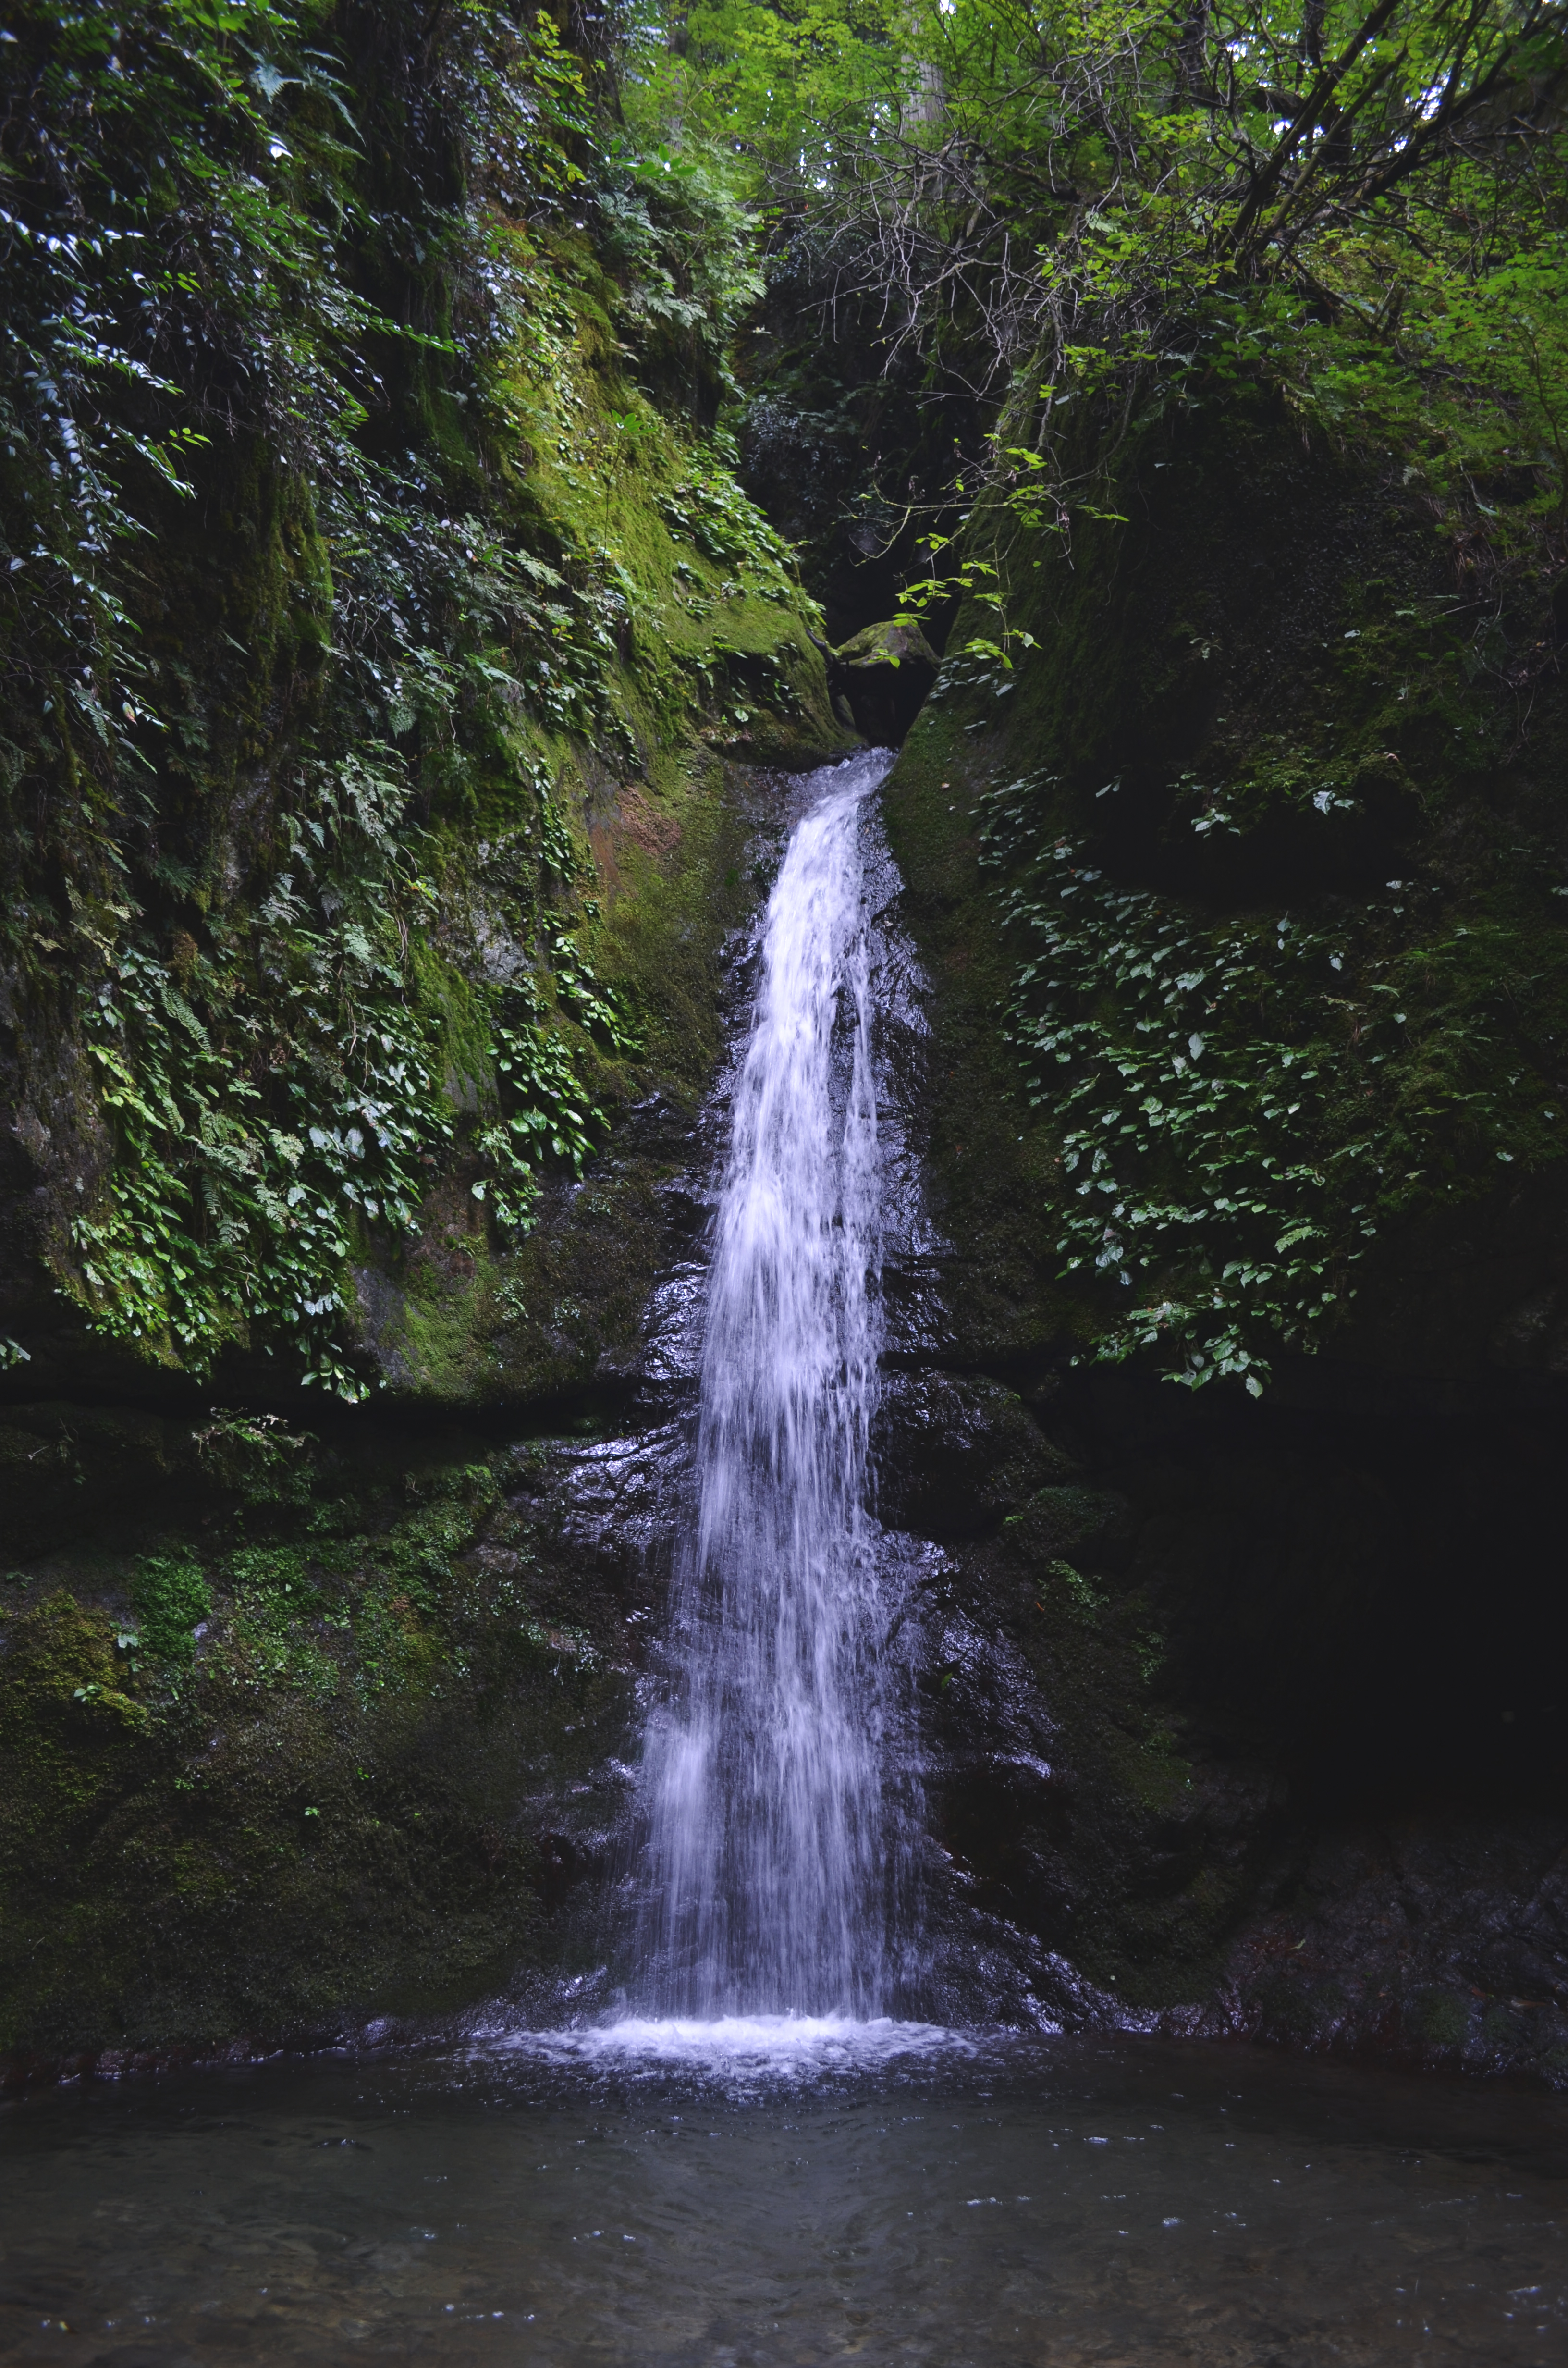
(773, 2147)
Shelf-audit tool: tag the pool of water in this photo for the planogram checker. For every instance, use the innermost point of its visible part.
(677, 2196)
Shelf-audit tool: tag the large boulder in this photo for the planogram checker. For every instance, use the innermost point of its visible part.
(878, 680)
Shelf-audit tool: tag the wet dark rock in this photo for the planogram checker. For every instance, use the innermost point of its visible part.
(956, 1454)
(1428, 1939)
(1154, 1708)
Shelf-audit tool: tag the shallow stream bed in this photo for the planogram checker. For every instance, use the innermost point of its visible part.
(784, 2194)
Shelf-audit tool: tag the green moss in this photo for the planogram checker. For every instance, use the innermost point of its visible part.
(459, 1021)
(171, 1598)
(1438, 2019)
(65, 1674)
(319, 1822)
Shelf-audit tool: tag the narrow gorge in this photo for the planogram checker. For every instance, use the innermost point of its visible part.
(783, 1258)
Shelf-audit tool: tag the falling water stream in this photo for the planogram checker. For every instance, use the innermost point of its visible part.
(755, 2162)
(773, 1858)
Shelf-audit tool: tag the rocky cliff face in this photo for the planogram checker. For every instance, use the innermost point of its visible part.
(390, 652)
(1249, 1704)
(361, 1014)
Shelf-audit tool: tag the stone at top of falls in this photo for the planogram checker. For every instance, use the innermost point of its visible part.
(882, 675)
(886, 644)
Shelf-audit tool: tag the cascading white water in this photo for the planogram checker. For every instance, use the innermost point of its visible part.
(772, 1859)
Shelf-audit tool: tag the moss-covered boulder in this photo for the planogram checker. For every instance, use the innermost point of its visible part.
(879, 680)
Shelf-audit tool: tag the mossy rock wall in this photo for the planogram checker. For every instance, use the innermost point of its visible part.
(364, 783)
(359, 1784)
(1267, 1741)
(1272, 728)
(375, 831)
(617, 860)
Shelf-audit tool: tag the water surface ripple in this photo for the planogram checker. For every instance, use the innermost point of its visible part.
(906, 2202)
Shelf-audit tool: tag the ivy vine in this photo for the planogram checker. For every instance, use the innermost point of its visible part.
(1242, 1105)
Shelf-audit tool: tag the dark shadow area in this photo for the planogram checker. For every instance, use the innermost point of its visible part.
(1360, 1580)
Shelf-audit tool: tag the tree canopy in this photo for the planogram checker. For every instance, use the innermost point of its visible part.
(1367, 205)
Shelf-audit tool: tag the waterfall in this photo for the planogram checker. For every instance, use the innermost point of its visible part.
(773, 1855)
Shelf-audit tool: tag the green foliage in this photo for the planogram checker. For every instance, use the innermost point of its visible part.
(172, 1599)
(541, 1092)
(707, 508)
(777, 85)
(286, 619)
(257, 1454)
(683, 244)
(255, 1138)
(180, 187)
(1361, 215)
(1110, 211)
(1242, 1105)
